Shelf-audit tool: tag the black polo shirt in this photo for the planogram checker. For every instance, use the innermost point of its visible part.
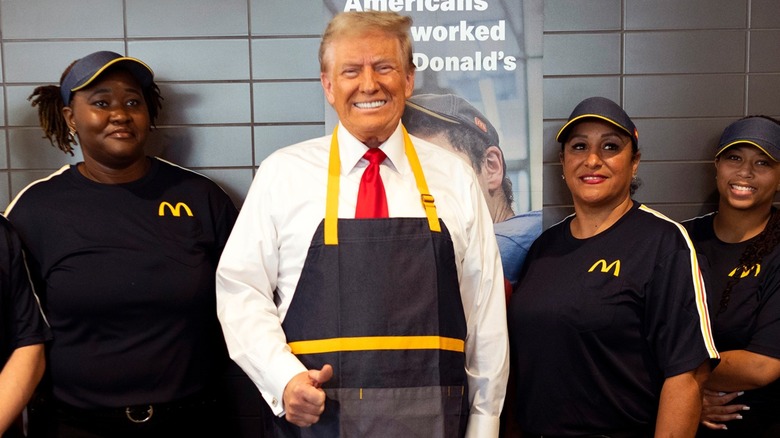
(597, 325)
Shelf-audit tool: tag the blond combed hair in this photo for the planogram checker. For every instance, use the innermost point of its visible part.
(355, 24)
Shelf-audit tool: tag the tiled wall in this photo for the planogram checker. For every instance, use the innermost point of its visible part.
(240, 78)
(682, 69)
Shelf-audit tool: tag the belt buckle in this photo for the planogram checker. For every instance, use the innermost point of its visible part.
(145, 412)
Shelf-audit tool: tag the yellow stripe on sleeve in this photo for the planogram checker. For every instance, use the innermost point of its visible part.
(698, 284)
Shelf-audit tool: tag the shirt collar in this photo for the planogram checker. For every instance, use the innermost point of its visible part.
(351, 150)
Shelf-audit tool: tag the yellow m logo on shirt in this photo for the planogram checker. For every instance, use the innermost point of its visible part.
(606, 267)
(745, 271)
(175, 211)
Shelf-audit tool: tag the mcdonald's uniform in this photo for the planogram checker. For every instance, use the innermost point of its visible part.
(597, 324)
(412, 320)
(126, 277)
(21, 321)
(750, 322)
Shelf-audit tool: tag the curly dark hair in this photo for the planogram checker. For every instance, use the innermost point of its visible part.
(49, 102)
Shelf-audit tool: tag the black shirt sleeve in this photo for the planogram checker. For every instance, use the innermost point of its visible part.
(23, 323)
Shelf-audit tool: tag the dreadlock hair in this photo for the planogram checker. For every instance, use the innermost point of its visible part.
(49, 102)
(763, 244)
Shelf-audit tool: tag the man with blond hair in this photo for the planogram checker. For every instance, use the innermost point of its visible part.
(361, 289)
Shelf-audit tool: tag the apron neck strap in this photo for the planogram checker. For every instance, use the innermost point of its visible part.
(334, 176)
(425, 196)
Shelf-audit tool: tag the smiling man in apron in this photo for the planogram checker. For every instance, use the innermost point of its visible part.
(361, 288)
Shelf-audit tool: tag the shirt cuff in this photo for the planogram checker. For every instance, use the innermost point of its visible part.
(274, 395)
(482, 426)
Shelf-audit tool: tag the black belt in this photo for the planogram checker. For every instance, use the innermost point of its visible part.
(142, 413)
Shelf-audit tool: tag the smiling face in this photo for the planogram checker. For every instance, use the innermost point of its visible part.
(367, 82)
(111, 119)
(746, 178)
(598, 164)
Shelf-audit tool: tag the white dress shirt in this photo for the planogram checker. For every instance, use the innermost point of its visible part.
(262, 262)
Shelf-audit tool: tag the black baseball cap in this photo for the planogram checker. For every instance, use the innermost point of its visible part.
(90, 67)
(760, 132)
(454, 109)
(603, 109)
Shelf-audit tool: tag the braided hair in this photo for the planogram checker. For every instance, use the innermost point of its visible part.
(763, 244)
(49, 102)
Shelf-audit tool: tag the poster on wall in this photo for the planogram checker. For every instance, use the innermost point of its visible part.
(488, 54)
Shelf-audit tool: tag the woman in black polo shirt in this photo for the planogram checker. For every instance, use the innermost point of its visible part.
(608, 324)
(741, 260)
(123, 250)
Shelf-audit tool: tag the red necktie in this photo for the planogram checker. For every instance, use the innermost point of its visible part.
(371, 200)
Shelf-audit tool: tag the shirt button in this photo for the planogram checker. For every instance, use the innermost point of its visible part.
(274, 402)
